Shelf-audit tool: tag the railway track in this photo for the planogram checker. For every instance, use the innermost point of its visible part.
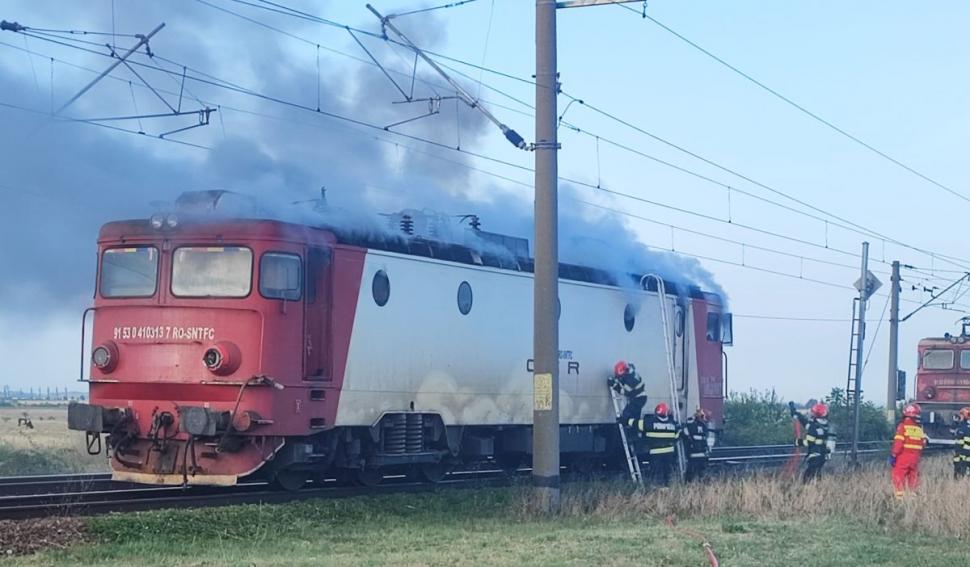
(96, 493)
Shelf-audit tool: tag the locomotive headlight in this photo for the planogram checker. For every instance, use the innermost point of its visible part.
(929, 393)
(171, 221)
(105, 356)
(212, 359)
(157, 221)
(222, 358)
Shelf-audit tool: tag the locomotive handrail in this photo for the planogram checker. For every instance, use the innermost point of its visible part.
(84, 320)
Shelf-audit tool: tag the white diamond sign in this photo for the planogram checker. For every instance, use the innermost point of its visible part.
(872, 284)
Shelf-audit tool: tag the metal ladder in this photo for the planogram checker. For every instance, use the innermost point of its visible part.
(853, 344)
(668, 351)
(632, 460)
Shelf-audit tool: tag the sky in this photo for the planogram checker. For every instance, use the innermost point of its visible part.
(880, 71)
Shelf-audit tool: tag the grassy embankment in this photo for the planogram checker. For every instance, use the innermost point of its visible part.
(48, 448)
(845, 520)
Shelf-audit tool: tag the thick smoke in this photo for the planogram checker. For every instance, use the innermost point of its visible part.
(63, 180)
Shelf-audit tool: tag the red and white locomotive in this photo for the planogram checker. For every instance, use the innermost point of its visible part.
(943, 380)
(223, 347)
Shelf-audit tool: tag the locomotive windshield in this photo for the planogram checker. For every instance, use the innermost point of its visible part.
(224, 271)
(938, 359)
(129, 272)
(965, 360)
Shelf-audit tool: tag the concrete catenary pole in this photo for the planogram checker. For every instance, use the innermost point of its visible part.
(545, 432)
(860, 343)
(893, 371)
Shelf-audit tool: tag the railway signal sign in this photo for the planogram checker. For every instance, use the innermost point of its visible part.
(872, 284)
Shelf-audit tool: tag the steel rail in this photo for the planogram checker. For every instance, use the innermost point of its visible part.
(96, 493)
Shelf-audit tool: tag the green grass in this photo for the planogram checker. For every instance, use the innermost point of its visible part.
(16, 461)
(480, 527)
(48, 448)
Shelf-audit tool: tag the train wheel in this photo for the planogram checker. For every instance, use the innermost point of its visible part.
(369, 477)
(435, 472)
(586, 467)
(509, 463)
(291, 481)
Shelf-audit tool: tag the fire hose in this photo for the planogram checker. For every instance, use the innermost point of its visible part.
(698, 536)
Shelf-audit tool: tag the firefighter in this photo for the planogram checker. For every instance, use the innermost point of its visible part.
(961, 445)
(908, 444)
(626, 381)
(661, 431)
(815, 438)
(695, 433)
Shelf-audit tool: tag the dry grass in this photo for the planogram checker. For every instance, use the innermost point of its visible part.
(864, 497)
(50, 447)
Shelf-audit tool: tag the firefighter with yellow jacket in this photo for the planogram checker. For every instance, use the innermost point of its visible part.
(660, 430)
(961, 445)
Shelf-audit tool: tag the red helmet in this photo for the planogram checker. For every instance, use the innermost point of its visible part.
(702, 415)
(965, 413)
(662, 410)
(621, 368)
(820, 410)
(911, 410)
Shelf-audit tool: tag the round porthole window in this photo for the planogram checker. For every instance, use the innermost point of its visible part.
(629, 317)
(381, 287)
(464, 298)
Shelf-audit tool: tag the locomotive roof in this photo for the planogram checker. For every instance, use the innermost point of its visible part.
(953, 340)
(503, 252)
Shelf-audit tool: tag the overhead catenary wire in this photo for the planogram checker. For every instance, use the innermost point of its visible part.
(681, 252)
(339, 52)
(853, 227)
(618, 193)
(431, 8)
(875, 335)
(226, 84)
(815, 116)
(692, 231)
(488, 36)
(100, 125)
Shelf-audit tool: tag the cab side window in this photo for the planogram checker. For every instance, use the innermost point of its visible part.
(317, 260)
(281, 276)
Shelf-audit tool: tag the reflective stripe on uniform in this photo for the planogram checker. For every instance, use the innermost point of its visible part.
(661, 434)
(912, 446)
(698, 437)
(697, 455)
(661, 450)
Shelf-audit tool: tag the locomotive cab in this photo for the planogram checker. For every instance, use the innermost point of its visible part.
(209, 346)
(943, 382)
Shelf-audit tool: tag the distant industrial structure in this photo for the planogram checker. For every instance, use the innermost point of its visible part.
(8, 395)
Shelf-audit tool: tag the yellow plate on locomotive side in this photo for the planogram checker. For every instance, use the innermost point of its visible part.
(174, 479)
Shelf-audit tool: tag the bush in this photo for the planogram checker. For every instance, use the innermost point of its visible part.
(763, 418)
(872, 419)
(756, 418)
(15, 461)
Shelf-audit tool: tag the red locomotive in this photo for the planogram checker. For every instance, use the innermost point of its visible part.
(943, 380)
(226, 347)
